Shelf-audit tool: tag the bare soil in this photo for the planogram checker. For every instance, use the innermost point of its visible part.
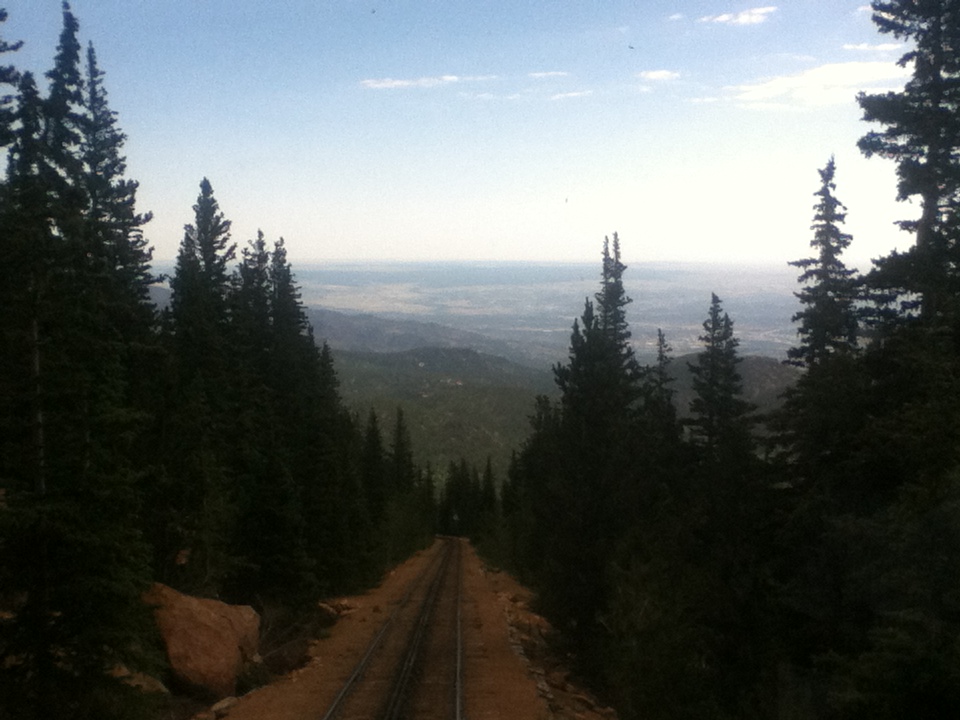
(509, 672)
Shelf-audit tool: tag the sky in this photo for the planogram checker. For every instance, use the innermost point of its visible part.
(449, 130)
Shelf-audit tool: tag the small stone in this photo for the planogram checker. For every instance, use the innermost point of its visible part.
(328, 614)
(223, 707)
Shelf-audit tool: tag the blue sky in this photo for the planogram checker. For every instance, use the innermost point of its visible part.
(476, 130)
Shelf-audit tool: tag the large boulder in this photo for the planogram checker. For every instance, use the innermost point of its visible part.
(207, 641)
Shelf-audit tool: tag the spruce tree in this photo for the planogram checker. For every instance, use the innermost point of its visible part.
(584, 507)
(721, 424)
(73, 557)
(199, 289)
(922, 134)
(114, 227)
(828, 321)
(269, 536)
(193, 511)
(373, 470)
(8, 77)
(64, 117)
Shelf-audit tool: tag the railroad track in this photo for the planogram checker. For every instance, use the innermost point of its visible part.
(413, 667)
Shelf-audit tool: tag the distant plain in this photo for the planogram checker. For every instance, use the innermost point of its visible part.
(530, 308)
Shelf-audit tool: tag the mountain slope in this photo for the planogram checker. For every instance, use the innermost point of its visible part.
(456, 402)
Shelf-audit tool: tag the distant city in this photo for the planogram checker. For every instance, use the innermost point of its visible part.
(533, 306)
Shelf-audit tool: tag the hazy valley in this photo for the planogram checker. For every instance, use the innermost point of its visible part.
(465, 348)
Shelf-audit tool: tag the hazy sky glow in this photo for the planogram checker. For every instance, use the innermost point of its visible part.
(462, 130)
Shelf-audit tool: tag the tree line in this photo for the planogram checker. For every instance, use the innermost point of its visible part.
(804, 564)
(204, 445)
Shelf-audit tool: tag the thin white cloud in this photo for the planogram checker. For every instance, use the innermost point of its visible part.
(754, 16)
(564, 96)
(549, 74)
(658, 75)
(831, 84)
(488, 96)
(675, 17)
(879, 47)
(424, 82)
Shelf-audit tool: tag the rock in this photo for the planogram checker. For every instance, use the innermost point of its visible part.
(344, 607)
(328, 614)
(223, 707)
(584, 701)
(558, 679)
(207, 641)
(144, 682)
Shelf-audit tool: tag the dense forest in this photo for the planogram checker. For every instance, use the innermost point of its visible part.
(803, 564)
(710, 563)
(205, 446)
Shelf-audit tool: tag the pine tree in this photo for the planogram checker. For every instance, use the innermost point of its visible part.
(373, 471)
(585, 498)
(828, 320)
(199, 289)
(270, 534)
(29, 253)
(114, 227)
(74, 559)
(190, 529)
(64, 117)
(611, 303)
(721, 425)
(822, 412)
(402, 471)
(8, 77)
(659, 414)
(922, 134)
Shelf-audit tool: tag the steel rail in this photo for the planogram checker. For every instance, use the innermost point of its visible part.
(377, 640)
(395, 706)
(458, 690)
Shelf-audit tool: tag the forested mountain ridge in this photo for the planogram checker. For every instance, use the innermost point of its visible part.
(375, 334)
(460, 403)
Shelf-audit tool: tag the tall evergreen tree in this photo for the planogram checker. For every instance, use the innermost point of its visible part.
(29, 251)
(74, 559)
(828, 320)
(720, 424)
(64, 117)
(115, 228)
(583, 508)
(190, 528)
(8, 77)
(922, 134)
(269, 537)
(199, 289)
(373, 470)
